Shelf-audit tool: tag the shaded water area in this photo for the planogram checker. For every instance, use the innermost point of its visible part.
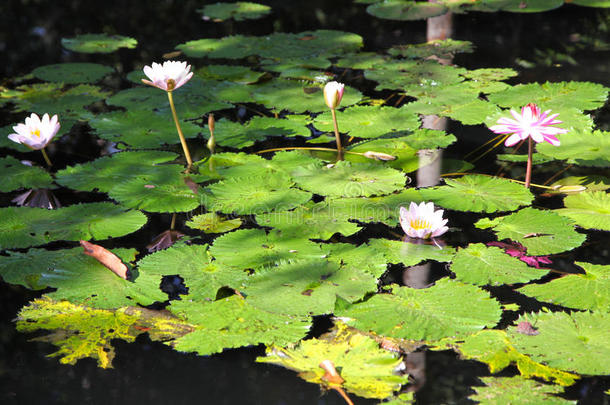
(567, 44)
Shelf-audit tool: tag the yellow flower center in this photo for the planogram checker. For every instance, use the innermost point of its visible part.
(171, 84)
(36, 132)
(420, 224)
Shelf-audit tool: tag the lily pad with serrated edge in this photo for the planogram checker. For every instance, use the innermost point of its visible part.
(583, 148)
(346, 179)
(405, 157)
(16, 175)
(590, 210)
(441, 48)
(409, 253)
(367, 370)
(98, 43)
(201, 275)
(231, 322)
(306, 287)
(478, 193)
(540, 232)
(254, 195)
(360, 60)
(402, 10)
(532, 6)
(362, 257)
(213, 223)
(482, 265)
(238, 74)
(259, 249)
(72, 73)
(236, 135)
(428, 139)
(588, 291)
(507, 390)
(79, 278)
(449, 308)
(239, 11)
(576, 342)
(21, 227)
(369, 121)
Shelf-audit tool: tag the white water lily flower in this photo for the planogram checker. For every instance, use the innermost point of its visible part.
(35, 133)
(421, 221)
(169, 76)
(333, 93)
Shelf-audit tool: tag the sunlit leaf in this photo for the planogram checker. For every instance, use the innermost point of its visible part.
(16, 175)
(441, 48)
(409, 253)
(236, 135)
(508, 390)
(590, 210)
(239, 11)
(98, 43)
(362, 257)
(582, 148)
(213, 223)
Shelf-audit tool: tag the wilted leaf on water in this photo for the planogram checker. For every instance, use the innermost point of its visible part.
(108, 259)
(81, 331)
(367, 370)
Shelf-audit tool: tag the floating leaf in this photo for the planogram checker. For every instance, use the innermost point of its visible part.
(441, 48)
(404, 10)
(213, 223)
(314, 221)
(141, 129)
(346, 179)
(410, 254)
(449, 308)
(482, 265)
(106, 258)
(532, 6)
(306, 287)
(360, 257)
(232, 322)
(494, 348)
(582, 148)
(590, 210)
(80, 331)
(576, 342)
(360, 60)
(98, 43)
(428, 139)
(582, 291)
(238, 74)
(72, 73)
(367, 370)
(235, 135)
(254, 195)
(540, 232)
(478, 193)
(590, 182)
(509, 390)
(22, 227)
(239, 11)
(259, 249)
(202, 277)
(16, 175)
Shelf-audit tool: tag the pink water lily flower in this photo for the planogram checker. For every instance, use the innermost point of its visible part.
(36, 133)
(169, 76)
(333, 93)
(530, 123)
(422, 221)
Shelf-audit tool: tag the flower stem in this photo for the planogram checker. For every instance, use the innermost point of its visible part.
(187, 154)
(46, 157)
(337, 135)
(528, 170)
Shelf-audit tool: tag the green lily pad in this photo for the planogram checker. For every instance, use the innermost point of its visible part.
(449, 308)
(404, 10)
(238, 74)
(239, 11)
(236, 135)
(405, 157)
(367, 370)
(590, 210)
(441, 48)
(369, 121)
(81, 331)
(22, 227)
(592, 3)
(98, 43)
(213, 223)
(482, 265)
(259, 249)
(589, 182)
(201, 275)
(360, 60)
(314, 221)
(428, 139)
(540, 232)
(72, 73)
(410, 254)
(478, 193)
(141, 129)
(232, 322)
(532, 6)
(581, 291)
(79, 278)
(576, 342)
(346, 179)
(16, 175)
(583, 148)
(254, 195)
(508, 390)
(361, 257)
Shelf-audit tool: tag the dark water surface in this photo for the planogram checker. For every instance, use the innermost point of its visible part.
(149, 372)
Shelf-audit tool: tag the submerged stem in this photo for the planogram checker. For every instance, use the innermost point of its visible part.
(528, 170)
(46, 157)
(187, 154)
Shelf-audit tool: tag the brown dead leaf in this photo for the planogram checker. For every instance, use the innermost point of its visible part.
(105, 257)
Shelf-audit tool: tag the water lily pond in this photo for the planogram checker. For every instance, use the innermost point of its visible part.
(360, 202)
